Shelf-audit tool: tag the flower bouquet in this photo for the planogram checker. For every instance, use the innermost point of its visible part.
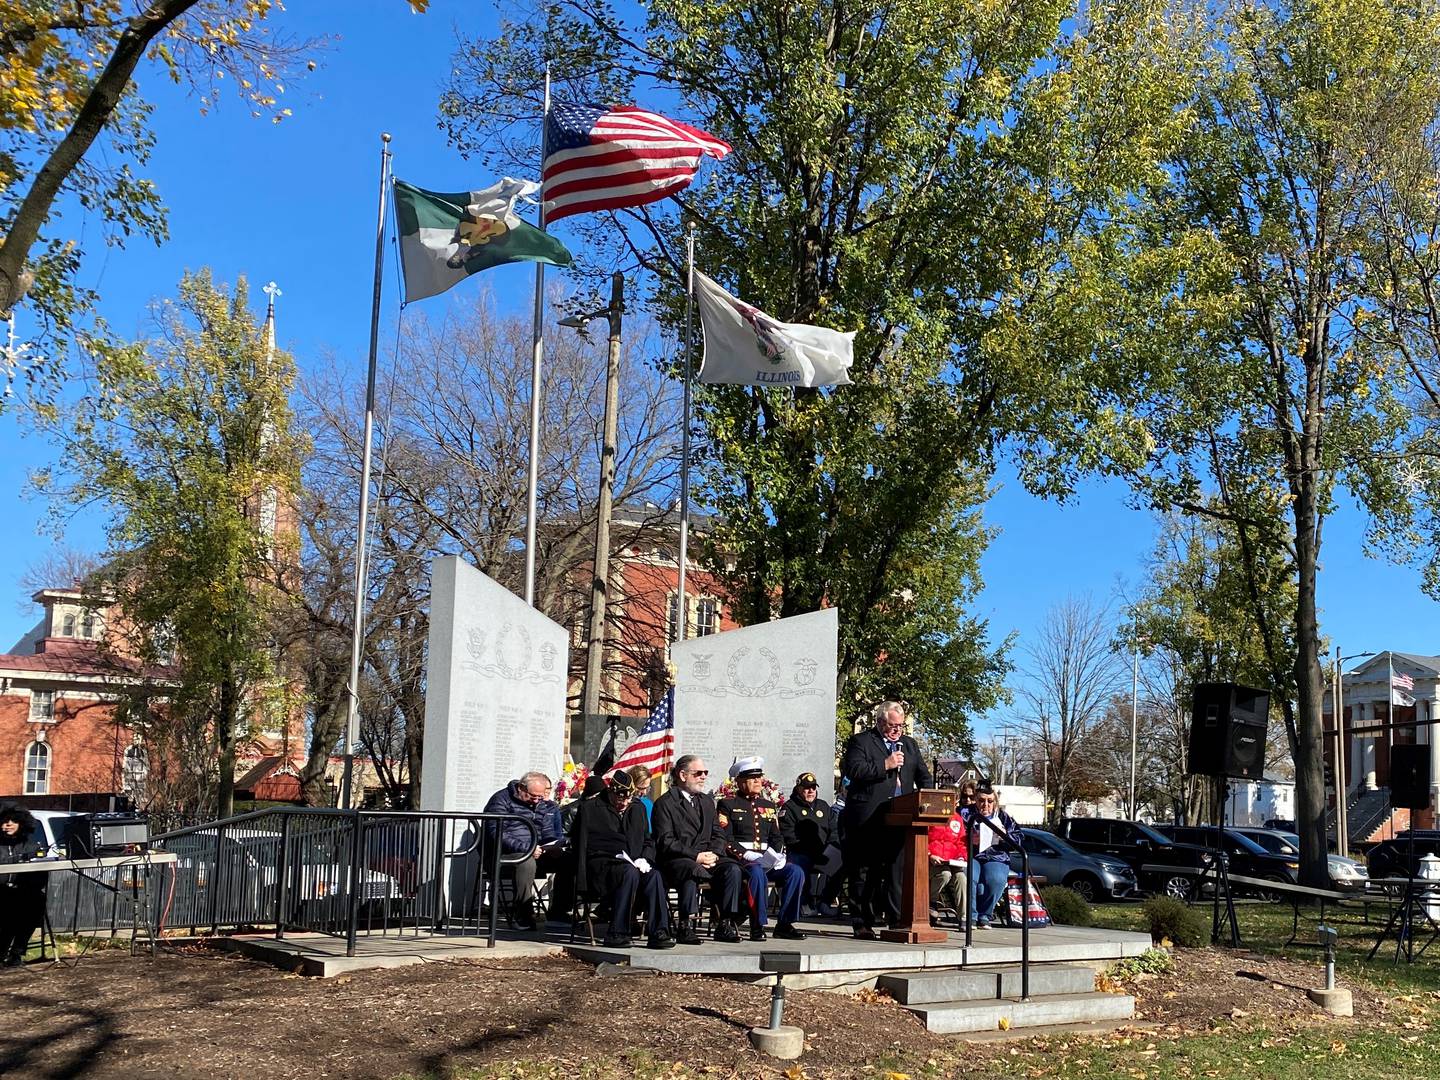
(572, 782)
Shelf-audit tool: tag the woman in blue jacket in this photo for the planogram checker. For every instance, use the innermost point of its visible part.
(992, 853)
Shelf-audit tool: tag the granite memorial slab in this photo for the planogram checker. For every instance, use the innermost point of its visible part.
(495, 689)
(767, 689)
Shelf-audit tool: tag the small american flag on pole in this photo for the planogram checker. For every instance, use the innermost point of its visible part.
(1402, 688)
(654, 747)
(598, 158)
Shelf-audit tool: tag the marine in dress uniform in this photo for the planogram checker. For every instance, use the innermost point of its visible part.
(750, 829)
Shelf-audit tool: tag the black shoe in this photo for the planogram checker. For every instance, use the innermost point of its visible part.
(686, 934)
(661, 939)
(727, 932)
(865, 933)
(618, 941)
(757, 932)
(828, 911)
(523, 918)
(14, 961)
(790, 932)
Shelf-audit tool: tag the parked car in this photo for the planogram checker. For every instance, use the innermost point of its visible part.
(244, 873)
(1345, 873)
(1395, 857)
(1095, 877)
(1138, 844)
(55, 829)
(1245, 856)
(1282, 824)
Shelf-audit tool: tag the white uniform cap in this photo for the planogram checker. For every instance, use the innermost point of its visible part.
(747, 764)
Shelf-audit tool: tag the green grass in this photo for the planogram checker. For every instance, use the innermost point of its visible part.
(1266, 928)
(1407, 1047)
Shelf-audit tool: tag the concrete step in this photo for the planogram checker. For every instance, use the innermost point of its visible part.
(979, 984)
(952, 1017)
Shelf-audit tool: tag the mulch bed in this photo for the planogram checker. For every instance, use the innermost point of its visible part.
(204, 1015)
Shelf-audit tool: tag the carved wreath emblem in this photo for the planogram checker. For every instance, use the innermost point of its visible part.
(518, 669)
(761, 688)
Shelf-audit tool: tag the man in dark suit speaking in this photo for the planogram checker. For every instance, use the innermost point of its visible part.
(880, 763)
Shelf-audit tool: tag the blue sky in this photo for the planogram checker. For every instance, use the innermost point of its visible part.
(295, 203)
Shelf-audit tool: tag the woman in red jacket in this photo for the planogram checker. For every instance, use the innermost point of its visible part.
(947, 866)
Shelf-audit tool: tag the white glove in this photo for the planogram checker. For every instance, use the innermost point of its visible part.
(643, 865)
(754, 856)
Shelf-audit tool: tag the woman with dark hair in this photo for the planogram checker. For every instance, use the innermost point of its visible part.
(992, 852)
(22, 896)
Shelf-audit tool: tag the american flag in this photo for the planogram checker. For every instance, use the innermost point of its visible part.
(602, 159)
(1401, 689)
(654, 747)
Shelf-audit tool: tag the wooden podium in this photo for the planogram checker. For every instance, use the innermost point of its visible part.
(916, 812)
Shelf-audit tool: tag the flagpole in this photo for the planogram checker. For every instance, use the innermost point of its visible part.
(357, 625)
(680, 603)
(537, 356)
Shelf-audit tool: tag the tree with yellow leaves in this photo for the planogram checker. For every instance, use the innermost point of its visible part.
(67, 71)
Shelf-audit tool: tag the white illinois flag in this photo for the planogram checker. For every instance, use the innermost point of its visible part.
(744, 346)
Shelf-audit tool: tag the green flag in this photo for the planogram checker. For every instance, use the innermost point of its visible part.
(444, 238)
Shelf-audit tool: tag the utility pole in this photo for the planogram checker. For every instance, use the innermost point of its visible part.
(609, 451)
(1337, 711)
(1134, 717)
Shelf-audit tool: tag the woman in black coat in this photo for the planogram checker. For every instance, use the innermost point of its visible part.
(22, 896)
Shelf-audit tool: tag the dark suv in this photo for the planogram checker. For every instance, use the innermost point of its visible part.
(1245, 856)
(1392, 858)
(1140, 845)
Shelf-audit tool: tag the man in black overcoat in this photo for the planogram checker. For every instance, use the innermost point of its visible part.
(690, 847)
(881, 763)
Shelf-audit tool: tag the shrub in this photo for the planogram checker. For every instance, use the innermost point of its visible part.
(1150, 962)
(1066, 906)
(1172, 919)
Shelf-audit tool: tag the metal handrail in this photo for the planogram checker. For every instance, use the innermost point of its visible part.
(975, 819)
(239, 898)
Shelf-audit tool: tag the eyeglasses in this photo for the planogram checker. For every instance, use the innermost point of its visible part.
(698, 772)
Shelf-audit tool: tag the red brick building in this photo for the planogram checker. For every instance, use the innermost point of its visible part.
(643, 617)
(59, 731)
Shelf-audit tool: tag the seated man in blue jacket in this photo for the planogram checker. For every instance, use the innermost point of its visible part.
(527, 799)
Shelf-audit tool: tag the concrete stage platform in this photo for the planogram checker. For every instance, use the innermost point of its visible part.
(830, 957)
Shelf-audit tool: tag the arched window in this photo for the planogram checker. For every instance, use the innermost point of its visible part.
(136, 767)
(37, 769)
(68, 627)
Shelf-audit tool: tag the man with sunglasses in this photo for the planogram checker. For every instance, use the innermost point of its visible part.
(615, 852)
(689, 848)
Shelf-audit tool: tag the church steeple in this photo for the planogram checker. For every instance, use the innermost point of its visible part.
(271, 291)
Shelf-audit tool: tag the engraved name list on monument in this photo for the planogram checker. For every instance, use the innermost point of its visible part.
(767, 689)
(496, 701)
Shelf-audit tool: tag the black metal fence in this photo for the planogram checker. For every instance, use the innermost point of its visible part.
(346, 873)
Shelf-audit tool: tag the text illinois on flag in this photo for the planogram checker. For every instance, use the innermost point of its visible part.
(744, 346)
(598, 158)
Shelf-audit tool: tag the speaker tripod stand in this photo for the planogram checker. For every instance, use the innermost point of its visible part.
(1222, 881)
(1403, 919)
